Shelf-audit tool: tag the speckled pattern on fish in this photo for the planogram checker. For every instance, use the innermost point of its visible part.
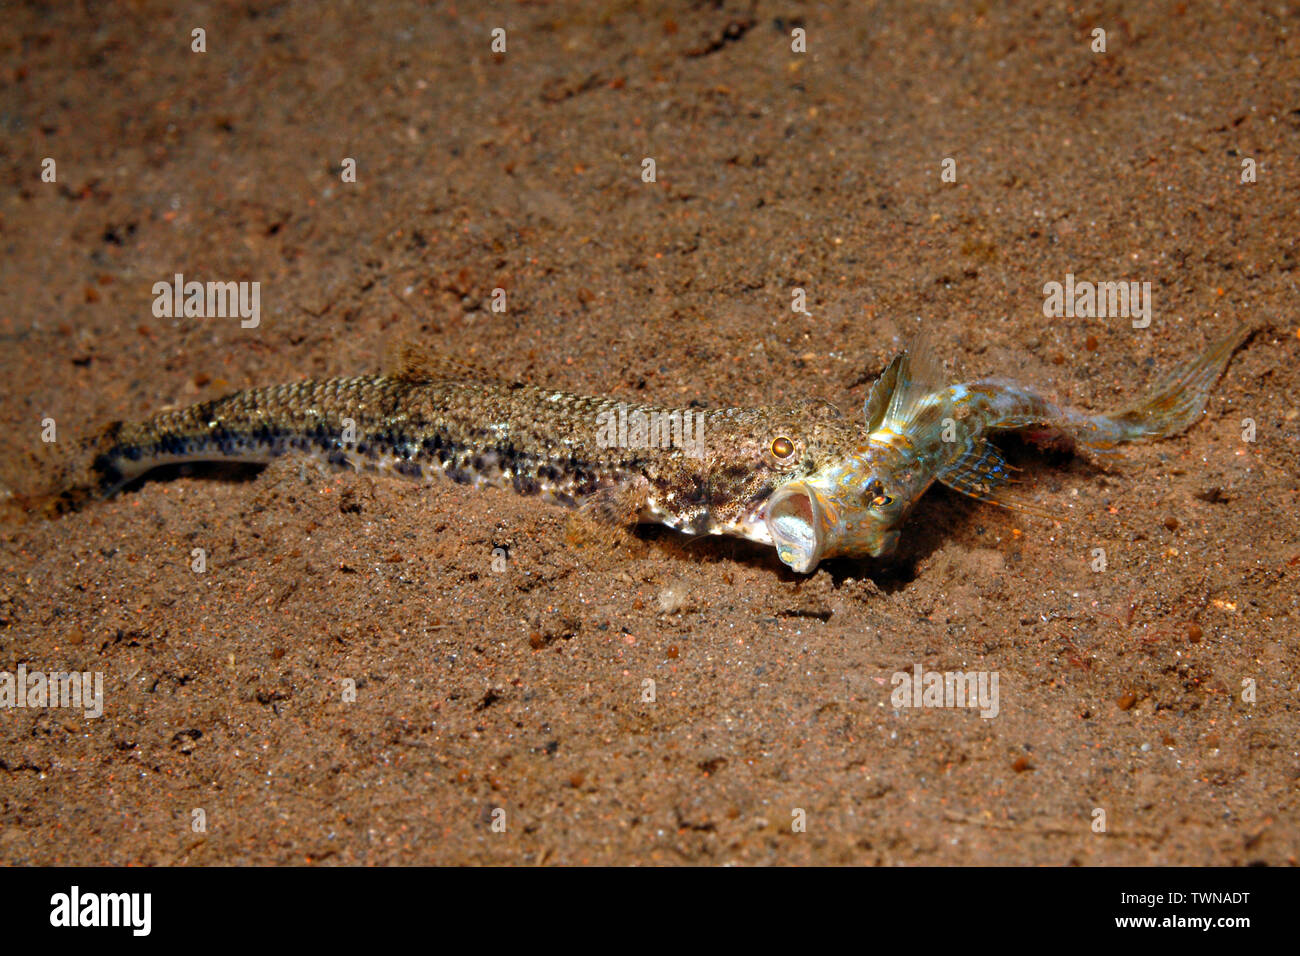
(804, 478)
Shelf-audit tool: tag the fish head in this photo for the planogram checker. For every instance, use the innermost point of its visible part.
(853, 496)
(802, 478)
(852, 507)
(853, 501)
(752, 455)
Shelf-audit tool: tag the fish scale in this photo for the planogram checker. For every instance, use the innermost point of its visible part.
(801, 477)
(410, 429)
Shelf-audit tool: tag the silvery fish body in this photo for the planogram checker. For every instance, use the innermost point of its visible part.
(804, 478)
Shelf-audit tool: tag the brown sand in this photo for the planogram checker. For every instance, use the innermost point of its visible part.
(1120, 691)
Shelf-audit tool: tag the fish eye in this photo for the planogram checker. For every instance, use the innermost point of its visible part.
(782, 447)
(875, 493)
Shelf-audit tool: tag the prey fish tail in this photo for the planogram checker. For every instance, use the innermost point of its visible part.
(997, 404)
(1173, 406)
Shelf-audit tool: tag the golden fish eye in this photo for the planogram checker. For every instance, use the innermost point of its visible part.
(782, 447)
(881, 500)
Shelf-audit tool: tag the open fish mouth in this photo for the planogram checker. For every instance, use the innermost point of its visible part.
(798, 521)
(808, 523)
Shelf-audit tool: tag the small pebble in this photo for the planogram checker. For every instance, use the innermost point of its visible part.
(673, 598)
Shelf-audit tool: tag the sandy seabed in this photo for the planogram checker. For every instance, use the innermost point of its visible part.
(1147, 713)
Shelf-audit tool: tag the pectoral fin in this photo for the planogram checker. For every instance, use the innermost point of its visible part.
(618, 505)
(980, 472)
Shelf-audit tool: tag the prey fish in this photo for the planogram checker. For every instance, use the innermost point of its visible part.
(801, 477)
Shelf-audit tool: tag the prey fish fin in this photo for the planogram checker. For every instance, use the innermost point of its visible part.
(918, 374)
(1172, 406)
(882, 390)
(980, 472)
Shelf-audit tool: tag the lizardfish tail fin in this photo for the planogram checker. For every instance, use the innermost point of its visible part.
(1172, 406)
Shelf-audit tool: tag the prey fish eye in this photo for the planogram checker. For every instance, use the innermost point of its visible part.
(782, 448)
(875, 494)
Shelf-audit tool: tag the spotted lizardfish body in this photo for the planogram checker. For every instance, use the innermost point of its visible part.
(804, 478)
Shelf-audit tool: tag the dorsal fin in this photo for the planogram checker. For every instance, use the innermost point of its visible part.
(877, 403)
(919, 375)
(413, 362)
